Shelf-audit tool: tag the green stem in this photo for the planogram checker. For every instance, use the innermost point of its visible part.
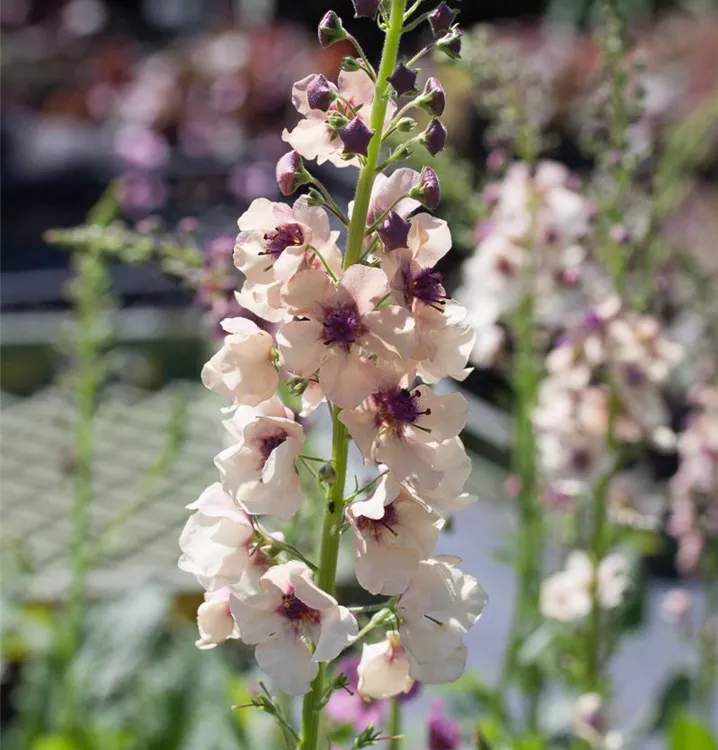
(707, 678)
(334, 513)
(394, 731)
(357, 225)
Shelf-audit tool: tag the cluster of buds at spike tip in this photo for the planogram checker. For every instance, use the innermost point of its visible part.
(365, 8)
(331, 29)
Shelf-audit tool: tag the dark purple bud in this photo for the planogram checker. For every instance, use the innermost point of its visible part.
(394, 231)
(441, 19)
(433, 99)
(330, 29)
(451, 44)
(403, 80)
(319, 93)
(355, 137)
(434, 137)
(427, 192)
(291, 173)
(365, 8)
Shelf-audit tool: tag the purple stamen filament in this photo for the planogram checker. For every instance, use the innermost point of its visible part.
(284, 236)
(342, 326)
(398, 408)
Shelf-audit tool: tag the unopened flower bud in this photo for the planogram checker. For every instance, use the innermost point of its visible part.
(330, 29)
(314, 197)
(365, 8)
(355, 137)
(451, 44)
(403, 80)
(441, 19)
(432, 98)
(291, 173)
(351, 64)
(406, 124)
(434, 137)
(427, 192)
(394, 231)
(327, 473)
(319, 93)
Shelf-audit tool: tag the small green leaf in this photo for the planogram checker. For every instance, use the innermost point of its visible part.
(54, 742)
(690, 733)
(674, 697)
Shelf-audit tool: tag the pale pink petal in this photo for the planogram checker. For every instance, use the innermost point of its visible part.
(288, 661)
(262, 300)
(388, 190)
(347, 379)
(386, 491)
(309, 292)
(311, 138)
(446, 418)
(257, 618)
(300, 346)
(384, 669)
(362, 427)
(391, 332)
(364, 286)
(357, 87)
(429, 239)
(338, 630)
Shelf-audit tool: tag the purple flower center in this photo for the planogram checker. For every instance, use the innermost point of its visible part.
(398, 408)
(428, 286)
(377, 526)
(296, 610)
(592, 321)
(581, 459)
(268, 445)
(342, 326)
(284, 236)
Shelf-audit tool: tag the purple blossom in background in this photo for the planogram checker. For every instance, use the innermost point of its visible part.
(141, 147)
(249, 181)
(141, 193)
(444, 734)
(344, 708)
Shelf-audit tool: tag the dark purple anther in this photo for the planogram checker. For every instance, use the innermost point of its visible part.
(342, 326)
(330, 29)
(441, 19)
(320, 94)
(365, 8)
(377, 526)
(433, 98)
(428, 286)
(284, 236)
(451, 44)
(398, 408)
(581, 459)
(394, 231)
(403, 80)
(290, 173)
(296, 610)
(355, 137)
(435, 137)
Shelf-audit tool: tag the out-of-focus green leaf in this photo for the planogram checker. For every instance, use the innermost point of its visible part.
(674, 697)
(54, 742)
(690, 733)
(537, 643)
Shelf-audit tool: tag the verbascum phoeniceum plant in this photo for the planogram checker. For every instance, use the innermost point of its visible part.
(366, 329)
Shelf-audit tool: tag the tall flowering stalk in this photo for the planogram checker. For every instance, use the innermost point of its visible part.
(357, 329)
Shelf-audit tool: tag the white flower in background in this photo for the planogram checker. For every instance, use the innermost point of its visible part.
(215, 540)
(285, 618)
(440, 604)
(393, 532)
(590, 723)
(566, 595)
(214, 619)
(384, 668)
(243, 370)
(259, 469)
